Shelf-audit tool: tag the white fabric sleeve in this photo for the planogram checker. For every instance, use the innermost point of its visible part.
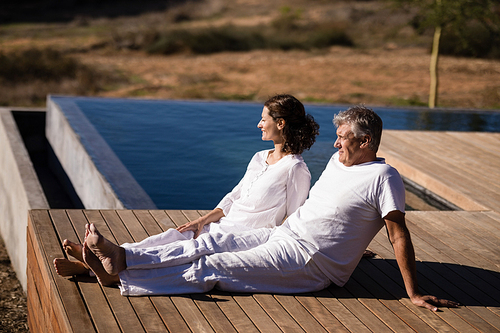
(297, 187)
(392, 195)
(228, 200)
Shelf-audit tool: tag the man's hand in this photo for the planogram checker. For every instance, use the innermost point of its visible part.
(399, 236)
(432, 302)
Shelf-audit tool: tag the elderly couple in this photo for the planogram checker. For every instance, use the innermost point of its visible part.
(242, 245)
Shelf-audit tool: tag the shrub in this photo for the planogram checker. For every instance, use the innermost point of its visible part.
(476, 41)
(231, 38)
(47, 65)
(27, 77)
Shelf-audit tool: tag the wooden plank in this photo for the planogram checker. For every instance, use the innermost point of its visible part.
(170, 315)
(378, 287)
(374, 298)
(355, 306)
(433, 283)
(482, 172)
(162, 218)
(233, 312)
(37, 293)
(339, 310)
(177, 217)
(213, 313)
(482, 140)
(321, 314)
(78, 220)
(255, 312)
(49, 249)
(274, 310)
(299, 313)
(123, 224)
(433, 175)
(191, 215)
(34, 306)
(426, 283)
(191, 314)
(128, 220)
(123, 310)
(481, 224)
(148, 222)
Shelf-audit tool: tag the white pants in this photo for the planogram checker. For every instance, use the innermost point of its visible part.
(172, 235)
(261, 260)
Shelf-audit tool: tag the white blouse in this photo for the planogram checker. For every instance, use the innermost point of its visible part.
(266, 194)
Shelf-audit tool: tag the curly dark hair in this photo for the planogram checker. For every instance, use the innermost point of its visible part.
(300, 129)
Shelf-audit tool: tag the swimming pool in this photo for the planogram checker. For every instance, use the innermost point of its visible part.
(188, 154)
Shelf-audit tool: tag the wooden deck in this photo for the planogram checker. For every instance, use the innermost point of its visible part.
(458, 258)
(461, 167)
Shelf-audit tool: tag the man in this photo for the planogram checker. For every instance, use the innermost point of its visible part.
(322, 242)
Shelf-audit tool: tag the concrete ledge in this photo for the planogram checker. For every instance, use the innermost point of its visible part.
(98, 176)
(20, 191)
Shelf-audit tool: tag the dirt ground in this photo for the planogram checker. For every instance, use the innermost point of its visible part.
(380, 76)
(12, 299)
(388, 66)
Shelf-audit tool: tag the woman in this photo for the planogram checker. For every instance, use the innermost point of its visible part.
(275, 184)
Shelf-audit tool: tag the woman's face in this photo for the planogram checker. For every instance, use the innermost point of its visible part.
(271, 130)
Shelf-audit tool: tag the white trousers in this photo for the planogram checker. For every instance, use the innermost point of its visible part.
(261, 260)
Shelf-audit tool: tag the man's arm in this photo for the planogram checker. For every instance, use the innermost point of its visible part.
(400, 239)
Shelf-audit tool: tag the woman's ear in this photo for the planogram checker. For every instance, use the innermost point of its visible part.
(281, 123)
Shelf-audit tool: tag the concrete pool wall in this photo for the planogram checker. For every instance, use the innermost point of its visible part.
(98, 176)
(84, 159)
(20, 191)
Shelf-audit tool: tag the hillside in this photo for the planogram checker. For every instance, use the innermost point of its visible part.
(387, 64)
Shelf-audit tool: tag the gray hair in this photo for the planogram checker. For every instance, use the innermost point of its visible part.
(363, 121)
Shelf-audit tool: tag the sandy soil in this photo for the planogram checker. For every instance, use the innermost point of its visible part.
(12, 299)
(381, 76)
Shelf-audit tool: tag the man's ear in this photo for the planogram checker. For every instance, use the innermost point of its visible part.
(365, 141)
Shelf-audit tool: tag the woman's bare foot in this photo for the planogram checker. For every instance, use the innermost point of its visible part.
(73, 249)
(111, 255)
(65, 267)
(95, 265)
(369, 254)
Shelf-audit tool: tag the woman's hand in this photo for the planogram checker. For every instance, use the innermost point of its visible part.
(196, 226)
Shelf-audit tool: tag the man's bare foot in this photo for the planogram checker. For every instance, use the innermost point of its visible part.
(73, 249)
(111, 255)
(65, 267)
(95, 265)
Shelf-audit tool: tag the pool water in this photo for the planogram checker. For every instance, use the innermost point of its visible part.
(189, 154)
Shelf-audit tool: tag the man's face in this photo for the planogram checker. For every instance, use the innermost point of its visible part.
(350, 148)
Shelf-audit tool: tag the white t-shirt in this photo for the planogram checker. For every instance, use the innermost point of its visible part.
(344, 212)
(266, 194)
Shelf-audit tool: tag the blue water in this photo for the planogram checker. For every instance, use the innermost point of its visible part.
(189, 154)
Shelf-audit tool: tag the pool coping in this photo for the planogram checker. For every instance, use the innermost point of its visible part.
(99, 177)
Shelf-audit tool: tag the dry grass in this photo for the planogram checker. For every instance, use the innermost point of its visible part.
(388, 64)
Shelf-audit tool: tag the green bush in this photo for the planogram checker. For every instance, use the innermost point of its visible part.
(46, 65)
(231, 38)
(476, 41)
(27, 77)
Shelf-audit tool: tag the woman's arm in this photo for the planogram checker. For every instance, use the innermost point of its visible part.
(197, 225)
(297, 187)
